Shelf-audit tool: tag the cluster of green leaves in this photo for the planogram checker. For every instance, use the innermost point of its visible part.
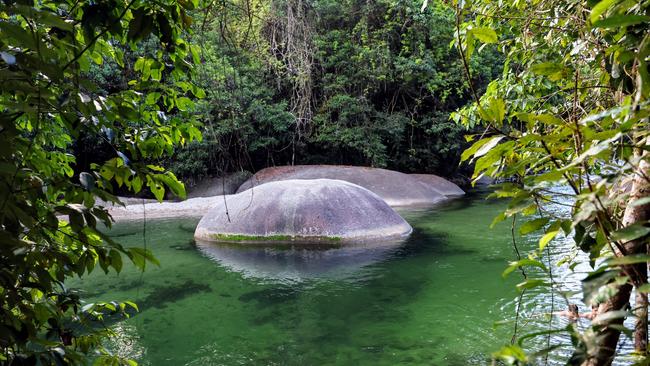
(570, 110)
(50, 216)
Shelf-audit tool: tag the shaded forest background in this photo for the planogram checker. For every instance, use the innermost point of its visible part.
(316, 82)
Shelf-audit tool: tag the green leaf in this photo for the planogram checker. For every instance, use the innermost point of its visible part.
(528, 284)
(549, 119)
(177, 187)
(543, 242)
(498, 108)
(156, 168)
(600, 8)
(497, 219)
(140, 256)
(15, 35)
(485, 148)
(621, 20)
(54, 20)
(139, 64)
(548, 69)
(469, 152)
(152, 98)
(485, 35)
(156, 188)
(494, 110)
(533, 225)
(512, 354)
(645, 288)
(136, 184)
(523, 263)
(631, 232)
(140, 26)
(184, 103)
(97, 58)
(132, 304)
(470, 45)
(198, 92)
(116, 260)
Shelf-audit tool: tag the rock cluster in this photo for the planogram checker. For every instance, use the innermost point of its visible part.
(307, 204)
(397, 189)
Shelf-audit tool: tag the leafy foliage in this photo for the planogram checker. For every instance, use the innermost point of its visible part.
(50, 214)
(389, 80)
(382, 83)
(570, 109)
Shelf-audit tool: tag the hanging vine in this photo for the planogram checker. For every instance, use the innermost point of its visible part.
(292, 50)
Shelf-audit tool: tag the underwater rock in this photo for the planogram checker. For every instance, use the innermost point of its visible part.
(321, 211)
(397, 189)
(440, 184)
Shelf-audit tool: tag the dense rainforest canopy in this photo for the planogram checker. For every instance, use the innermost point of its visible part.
(99, 98)
(338, 82)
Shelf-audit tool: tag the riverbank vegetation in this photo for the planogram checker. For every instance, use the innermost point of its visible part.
(105, 97)
(313, 82)
(570, 110)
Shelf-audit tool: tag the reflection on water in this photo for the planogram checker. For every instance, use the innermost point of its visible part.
(432, 299)
(297, 263)
(125, 342)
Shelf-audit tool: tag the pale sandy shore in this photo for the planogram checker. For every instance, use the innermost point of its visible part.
(134, 210)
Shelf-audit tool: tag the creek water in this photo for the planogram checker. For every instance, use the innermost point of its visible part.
(438, 298)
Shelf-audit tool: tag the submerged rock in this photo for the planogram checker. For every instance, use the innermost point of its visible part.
(307, 211)
(440, 184)
(397, 189)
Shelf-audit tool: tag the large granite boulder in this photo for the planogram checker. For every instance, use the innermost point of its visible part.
(217, 186)
(440, 184)
(397, 189)
(306, 211)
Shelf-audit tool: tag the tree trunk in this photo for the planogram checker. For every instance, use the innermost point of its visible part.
(641, 325)
(605, 350)
(640, 189)
(608, 336)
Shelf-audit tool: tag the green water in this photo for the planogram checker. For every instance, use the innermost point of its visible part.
(432, 300)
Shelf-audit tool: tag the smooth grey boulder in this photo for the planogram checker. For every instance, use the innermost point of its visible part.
(440, 184)
(322, 211)
(485, 181)
(217, 186)
(397, 189)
